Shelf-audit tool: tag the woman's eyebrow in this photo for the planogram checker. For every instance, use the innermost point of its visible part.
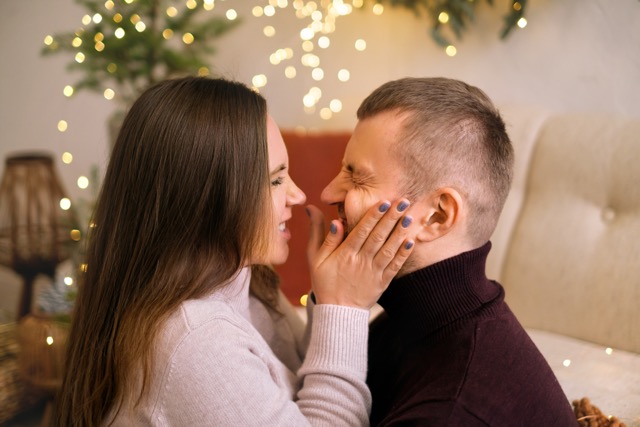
(278, 168)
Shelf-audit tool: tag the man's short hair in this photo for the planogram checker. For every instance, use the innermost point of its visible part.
(453, 136)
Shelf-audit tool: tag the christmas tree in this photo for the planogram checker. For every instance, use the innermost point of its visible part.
(124, 46)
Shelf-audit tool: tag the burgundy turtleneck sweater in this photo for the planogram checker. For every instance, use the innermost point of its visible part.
(448, 351)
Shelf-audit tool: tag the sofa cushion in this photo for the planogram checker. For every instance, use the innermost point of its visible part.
(573, 261)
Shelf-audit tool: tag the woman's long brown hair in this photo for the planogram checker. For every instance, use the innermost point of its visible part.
(184, 205)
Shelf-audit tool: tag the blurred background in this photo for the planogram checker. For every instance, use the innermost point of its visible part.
(314, 61)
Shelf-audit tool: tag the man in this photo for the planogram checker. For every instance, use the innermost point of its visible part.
(447, 351)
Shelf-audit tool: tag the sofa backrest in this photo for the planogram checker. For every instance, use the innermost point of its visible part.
(571, 263)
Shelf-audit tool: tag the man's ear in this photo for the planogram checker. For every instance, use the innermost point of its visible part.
(442, 213)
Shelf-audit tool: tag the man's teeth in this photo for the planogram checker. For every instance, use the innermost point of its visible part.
(281, 227)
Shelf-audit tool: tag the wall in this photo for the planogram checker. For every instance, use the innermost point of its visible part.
(573, 55)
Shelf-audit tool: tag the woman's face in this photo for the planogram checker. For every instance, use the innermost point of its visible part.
(284, 194)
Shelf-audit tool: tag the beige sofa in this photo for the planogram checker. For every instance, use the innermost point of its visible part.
(567, 250)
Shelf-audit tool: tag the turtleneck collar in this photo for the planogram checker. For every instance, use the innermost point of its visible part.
(429, 299)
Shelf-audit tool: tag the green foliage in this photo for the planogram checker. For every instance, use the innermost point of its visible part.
(460, 12)
(131, 63)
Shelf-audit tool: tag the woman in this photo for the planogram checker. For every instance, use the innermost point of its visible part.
(176, 322)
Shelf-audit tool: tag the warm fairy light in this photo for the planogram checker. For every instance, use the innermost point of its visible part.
(303, 300)
(517, 6)
(231, 14)
(203, 71)
(117, 18)
(324, 42)
(49, 340)
(608, 350)
(109, 94)
(68, 281)
(79, 57)
(451, 50)
(67, 158)
(325, 113)
(269, 10)
(357, 3)
(135, 18)
(98, 37)
(140, 26)
(566, 363)
(187, 38)
(62, 125)
(361, 45)
(522, 22)
(119, 32)
(282, 3)
(48, 40)
(259, 80)
(172, 12)
(290, 72)
(167, 34)
(76, 42)
(317, 74)
(269, 31)
(75, 235)
(191, 4)
(344, 75)
(109, 5)
(83, 182)
(99, 46)
(378, 9)
(208, 5)
(68, 91)
(112, 67)
(443, 18)
(65, 204)
(257, 11)
(335, 105)
(307, 46)
(86, 20)
(307, 34)
(97, 18)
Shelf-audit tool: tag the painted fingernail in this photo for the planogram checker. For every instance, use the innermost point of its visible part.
(384, 207)
(406, 221)
(333, 228)
(409, 245)
(402, 206)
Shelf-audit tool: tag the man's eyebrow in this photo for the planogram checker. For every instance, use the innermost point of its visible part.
(278, 168)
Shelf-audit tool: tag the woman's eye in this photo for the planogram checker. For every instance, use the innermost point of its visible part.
(277, 181)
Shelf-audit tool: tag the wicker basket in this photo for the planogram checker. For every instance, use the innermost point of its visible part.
(43, 341)
(16, 394)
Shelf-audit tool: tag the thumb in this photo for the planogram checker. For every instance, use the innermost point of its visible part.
(316, 230)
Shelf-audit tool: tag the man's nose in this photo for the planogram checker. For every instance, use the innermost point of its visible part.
(332, 193)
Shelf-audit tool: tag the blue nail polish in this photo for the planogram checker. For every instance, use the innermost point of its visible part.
(409, 245)
(384, 207)
(406, 221)
(402, 206)
(333, 228)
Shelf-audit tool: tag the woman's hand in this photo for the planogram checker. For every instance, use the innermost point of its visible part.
(356, 271)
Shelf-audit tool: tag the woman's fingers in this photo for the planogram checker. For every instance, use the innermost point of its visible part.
(316, 231)
(357, 270)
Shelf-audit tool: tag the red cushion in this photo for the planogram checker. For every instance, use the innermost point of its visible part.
(314, 160)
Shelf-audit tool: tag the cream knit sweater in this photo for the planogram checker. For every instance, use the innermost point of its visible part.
(226, 360)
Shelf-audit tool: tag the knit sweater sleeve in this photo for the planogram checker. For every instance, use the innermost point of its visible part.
(220, 375)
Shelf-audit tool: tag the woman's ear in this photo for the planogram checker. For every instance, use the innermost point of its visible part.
(441, 214)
